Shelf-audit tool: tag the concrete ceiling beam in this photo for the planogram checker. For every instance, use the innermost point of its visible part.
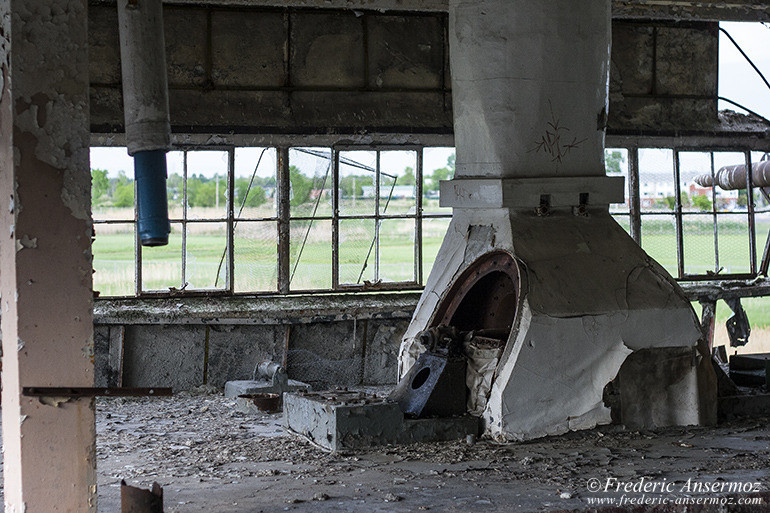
(733, 10)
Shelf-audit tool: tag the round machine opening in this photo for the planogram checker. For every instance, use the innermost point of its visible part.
(484, 298)
(420, 378)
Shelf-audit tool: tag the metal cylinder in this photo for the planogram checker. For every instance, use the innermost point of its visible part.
(151, 198)
(146, 112)
(145, 83)
(529, 86)
(732, 178)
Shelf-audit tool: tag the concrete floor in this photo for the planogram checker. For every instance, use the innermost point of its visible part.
(210, 458)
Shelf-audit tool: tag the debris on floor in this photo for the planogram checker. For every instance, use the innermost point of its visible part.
(209, 457)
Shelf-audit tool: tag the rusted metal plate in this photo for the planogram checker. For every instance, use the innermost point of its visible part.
(484, 297)
(434, 386)
(95, 392)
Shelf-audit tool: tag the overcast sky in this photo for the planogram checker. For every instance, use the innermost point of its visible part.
(737, 81)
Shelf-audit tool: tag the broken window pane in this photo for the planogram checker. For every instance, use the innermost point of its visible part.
(698, 236)
(356, 251)
(433, 231)
(162, 265)
(255, 183)
(256, 264)
(206, 256)
(310, 180)
(656, 180)
(207, 184)
(397, 250)
(398, 182)
(734, 245)
(310, 255)
(114, 259)
(438, 164)
(616, 164)
(659, 240)
(357, 189)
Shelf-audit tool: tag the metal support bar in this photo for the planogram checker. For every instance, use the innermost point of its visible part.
(336, 218)
(284, 234)
(678, 214)
(95, 392)
(230, 271)
(750, 206)
(635, 206)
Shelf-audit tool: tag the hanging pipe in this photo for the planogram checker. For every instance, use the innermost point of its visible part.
(145, 106)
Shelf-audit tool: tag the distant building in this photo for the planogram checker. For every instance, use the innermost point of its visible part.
(399, 191)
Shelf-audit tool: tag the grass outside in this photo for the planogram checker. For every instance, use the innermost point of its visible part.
(256, 267)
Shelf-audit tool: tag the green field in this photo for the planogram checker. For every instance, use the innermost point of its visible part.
(255, 246)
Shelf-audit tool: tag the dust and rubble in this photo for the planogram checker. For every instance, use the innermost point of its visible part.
(210, 457)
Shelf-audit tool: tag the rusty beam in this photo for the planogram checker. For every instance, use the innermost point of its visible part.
(95, 392)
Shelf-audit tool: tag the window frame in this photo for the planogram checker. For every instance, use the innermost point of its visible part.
(283, 218)
(636, 213)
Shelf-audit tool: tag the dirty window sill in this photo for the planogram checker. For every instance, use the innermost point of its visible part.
(256, 310)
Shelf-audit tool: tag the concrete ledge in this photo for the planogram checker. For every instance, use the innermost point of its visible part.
(265, 310)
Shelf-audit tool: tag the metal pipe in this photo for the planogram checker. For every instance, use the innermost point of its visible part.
(732, 178)
(146, 112)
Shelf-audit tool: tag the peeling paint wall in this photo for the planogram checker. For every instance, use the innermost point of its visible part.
(45, 255)
(348, 71)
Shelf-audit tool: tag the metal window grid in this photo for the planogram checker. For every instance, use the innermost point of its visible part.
(283, 219)
(637, 215)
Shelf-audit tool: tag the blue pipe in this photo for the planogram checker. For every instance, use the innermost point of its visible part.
(150, 173)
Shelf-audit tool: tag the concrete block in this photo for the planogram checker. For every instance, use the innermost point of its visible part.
(230, 110)
(381, 359)
(424, 109)
(102, 374)
(339, 420)
(327, 49)
(103, 45)
(687, 60)
(235, 350)
(236, 60)
(632, 59)
(164, 356)
(663, 114)
(326, 354)
(247, 386)
(406, 51)
(186, 34)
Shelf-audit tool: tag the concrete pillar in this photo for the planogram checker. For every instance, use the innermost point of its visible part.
(45, 255)
(529, 87)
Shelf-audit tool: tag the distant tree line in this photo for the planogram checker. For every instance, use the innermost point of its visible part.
(201, 191)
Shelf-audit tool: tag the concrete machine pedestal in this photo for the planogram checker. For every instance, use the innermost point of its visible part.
(337, 420)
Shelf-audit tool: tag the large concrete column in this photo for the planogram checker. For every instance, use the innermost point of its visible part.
(45, 255)
(529, 87)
